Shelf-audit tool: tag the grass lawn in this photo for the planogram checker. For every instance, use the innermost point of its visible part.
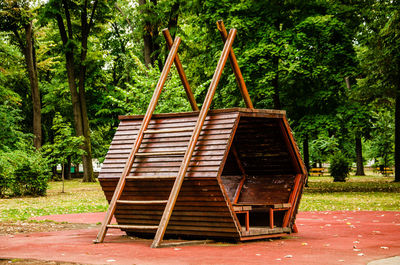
(367, 193)
(375, 193)
(79, 197)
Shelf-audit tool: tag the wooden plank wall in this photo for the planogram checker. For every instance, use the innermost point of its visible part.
(201, 209)
(261, 147)
(206, 158)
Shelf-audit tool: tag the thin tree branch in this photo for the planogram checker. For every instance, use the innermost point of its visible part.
(61, 27)
(92, 16)
(68, 18)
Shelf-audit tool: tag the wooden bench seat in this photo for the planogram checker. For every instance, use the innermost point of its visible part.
(245, 208)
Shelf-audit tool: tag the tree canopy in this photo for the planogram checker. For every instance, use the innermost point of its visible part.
(68, 68)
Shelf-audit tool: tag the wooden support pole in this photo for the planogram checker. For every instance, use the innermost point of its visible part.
(241, 168)
(135, 148)
(271, 218)
(235, 67)
(292, 199)
(193, 140)
(181, 73)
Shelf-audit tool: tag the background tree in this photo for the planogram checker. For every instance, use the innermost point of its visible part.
(17, 18)
(380, 55)
(75, 22)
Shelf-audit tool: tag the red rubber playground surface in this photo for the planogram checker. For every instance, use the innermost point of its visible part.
(342, 237)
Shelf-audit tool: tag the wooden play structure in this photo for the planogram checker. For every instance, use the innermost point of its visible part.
(224, 173)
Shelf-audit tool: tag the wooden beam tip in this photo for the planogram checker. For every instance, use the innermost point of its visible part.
(220, 25)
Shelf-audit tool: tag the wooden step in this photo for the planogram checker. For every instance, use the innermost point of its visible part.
(142, 202)
(150, 227)
(161, 153)
(149, 177)
(169, 130)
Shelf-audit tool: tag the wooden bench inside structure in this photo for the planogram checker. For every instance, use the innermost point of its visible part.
(269, 225)
(252, 201)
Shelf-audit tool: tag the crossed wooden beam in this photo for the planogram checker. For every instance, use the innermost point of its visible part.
(234, 64)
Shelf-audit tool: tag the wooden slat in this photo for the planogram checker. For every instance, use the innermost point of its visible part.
(142, 202)
(169, 130)
(152, 227)
(161, 153)
(221, 130)
(149, 177)
(211, 123)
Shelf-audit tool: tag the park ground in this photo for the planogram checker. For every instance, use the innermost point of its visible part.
(357, 222)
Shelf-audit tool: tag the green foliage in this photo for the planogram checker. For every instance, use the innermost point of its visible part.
(65, 144)
(339, 167)
(381, 145)
(23, 173)
(322, 148)
(136, 97)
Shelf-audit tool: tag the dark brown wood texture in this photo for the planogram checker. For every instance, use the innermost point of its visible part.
(261, 148)
(206, 158)
(200, 208)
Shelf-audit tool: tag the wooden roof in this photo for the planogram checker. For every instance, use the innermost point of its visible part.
(211, 150)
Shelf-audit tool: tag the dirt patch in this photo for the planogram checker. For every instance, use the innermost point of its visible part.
(34, 262)
(18, 227)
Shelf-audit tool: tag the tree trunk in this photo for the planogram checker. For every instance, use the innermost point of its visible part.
(306, 156)
(76, 173)
(81, 120)
(148, 41)
(359, 157)
(88, 175)
(34, 83)
(397, 136)
(68, 168)
(62, 176)
(173, 19)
